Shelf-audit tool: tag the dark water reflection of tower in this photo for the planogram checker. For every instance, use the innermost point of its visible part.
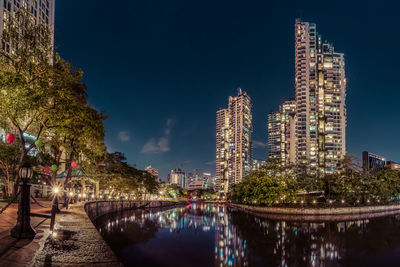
(230, 249)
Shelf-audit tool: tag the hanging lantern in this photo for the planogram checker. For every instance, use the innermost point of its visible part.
(74, 164)
(54, 168)
(10, 138)
(47, 170)
(38, 143)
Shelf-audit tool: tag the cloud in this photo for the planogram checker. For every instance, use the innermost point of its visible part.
(159, 145)
(124, 136)
(259, 144)
(211, 162)
(170, 123)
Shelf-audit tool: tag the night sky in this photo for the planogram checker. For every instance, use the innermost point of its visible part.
(161, 69)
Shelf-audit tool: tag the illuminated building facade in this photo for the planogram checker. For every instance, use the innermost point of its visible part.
(256, 164)
(177, 177)
(233, 141)
(195, 185)
(42, 11)
(372, 162)
(288, 129)
(208, 181)
(393, 165)
(222, 148)
(320, 85)
(152, 171)
(281, 133)
(274, 135)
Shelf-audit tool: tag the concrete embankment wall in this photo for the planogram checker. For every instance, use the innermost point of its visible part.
(317, 211)
(96, 209)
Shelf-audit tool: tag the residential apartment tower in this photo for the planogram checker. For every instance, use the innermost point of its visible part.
(320, 85)
(233, 141)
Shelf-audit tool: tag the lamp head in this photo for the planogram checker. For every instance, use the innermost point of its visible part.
(25, 172)
(55, 190)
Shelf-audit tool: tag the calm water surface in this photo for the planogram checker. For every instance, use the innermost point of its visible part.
(211, 235)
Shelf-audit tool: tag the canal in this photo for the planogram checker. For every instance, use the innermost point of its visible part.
(212, 235)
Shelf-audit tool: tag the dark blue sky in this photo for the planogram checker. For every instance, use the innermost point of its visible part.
(161, 69)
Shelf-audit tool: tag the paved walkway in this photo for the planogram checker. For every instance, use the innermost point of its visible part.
(77, 243)
(15, 252)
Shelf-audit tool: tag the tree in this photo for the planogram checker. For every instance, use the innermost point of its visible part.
(27, 91)
(113, 171)
(9, 157)
(308, 182)
(384, 185)
(260, 187)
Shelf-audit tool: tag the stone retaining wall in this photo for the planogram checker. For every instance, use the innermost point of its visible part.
(317, 211)
(96, 209)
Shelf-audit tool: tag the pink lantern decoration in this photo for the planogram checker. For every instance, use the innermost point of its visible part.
(47, 170)
(10, 138)
(74, 164)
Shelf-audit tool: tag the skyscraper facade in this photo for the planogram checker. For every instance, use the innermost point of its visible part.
(320, 85)
(288, 128)
(42, 11)
(222, 148)
(233, 147)
(274, 135)
(281, 133)
(312, 128)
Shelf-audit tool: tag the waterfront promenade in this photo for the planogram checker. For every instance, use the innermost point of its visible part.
(15, 252)
(77, 242)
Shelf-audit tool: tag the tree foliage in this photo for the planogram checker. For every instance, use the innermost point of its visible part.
(112, 171)
(266, 186)
(275, 183)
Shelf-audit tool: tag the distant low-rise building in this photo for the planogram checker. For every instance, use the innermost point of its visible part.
(195, 185)
(208, 181)
(152, 171)
(393, 165)
(178, 177)
(372, 162)
(256, 164)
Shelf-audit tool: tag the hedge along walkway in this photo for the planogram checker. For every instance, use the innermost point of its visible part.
(78, 243)
(317, 211)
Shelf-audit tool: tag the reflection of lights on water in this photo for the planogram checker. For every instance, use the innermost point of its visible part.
(230, 247)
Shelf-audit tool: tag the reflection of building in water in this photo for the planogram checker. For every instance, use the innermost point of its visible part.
(230, 249)
(280, 243)
(242, 239)
(198, 217)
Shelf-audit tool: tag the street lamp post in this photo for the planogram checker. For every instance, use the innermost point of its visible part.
(23, 228)
(54, 207)
(71, 195)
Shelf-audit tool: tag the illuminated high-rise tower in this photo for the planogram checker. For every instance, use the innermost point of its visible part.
(320, 85)
(274, 135)
(281, 133)
(288, 129)
(222, 149)
(233, 147)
